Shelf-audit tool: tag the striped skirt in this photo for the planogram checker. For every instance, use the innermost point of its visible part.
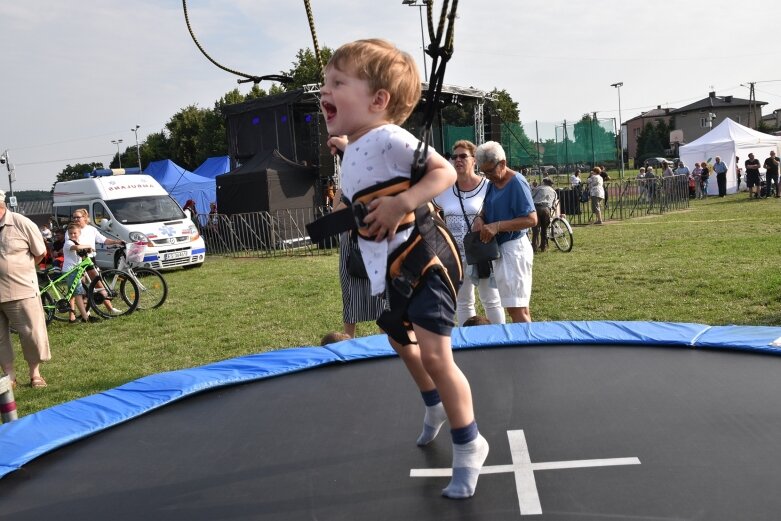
(358, 304)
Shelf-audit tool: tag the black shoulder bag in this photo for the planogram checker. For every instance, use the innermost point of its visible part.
(476, 251)
(355, 265)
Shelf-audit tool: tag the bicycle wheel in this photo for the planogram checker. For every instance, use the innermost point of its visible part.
(62, 307)
(152, 287)
(49, 307)
(108, 286)
(561, 234)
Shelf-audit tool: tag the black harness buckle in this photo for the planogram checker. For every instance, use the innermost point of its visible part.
(359, 213)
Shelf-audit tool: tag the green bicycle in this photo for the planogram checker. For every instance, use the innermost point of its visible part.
(109, 285)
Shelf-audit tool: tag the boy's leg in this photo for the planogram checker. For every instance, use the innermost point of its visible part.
(437, 360)
(435, 415)
(470, 449)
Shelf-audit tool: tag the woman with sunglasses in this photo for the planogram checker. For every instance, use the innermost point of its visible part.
(460, 204)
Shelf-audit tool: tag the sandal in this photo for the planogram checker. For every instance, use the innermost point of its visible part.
(72, 321)
(37, 382)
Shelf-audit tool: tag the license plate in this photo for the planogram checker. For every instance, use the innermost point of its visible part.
(175, 255)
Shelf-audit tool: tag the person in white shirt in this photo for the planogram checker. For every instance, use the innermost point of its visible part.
(89, 236)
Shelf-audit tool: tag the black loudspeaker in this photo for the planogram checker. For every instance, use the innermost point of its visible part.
(493, 128)
(325, 160)
(307, 138)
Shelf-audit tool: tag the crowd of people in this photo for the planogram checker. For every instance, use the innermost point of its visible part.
(698, 177)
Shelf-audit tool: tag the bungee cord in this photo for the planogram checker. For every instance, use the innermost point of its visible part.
(440, 53)
(247, 77)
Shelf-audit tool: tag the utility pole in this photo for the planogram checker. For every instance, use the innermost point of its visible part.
(752, 102)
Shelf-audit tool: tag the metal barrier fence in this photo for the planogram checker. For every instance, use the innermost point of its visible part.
(629, 198)
(283, 232)
(263, 234)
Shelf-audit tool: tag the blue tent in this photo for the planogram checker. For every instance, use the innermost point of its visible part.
(213, 167)
(183, 184)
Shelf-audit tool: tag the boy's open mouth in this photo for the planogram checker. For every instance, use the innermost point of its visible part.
(329, 110)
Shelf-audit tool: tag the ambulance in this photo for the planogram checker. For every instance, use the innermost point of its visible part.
(132, 208)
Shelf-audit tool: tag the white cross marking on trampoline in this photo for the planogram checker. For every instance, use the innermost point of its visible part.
(523, 468)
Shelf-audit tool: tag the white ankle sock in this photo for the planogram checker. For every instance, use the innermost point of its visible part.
(468, 459)
(433, 420)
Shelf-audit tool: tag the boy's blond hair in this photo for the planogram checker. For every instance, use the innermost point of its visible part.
(383, 66)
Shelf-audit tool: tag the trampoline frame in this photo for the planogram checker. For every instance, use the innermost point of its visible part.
(25, 439)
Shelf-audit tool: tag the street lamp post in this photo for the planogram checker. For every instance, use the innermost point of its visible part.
(138, 150)
(420, 4)
(618, 86)
(6, 159)
(119, 158)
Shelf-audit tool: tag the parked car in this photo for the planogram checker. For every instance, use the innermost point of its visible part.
(656, 162)
(544, 170)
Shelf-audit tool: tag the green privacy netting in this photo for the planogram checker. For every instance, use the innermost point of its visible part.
(565, 143)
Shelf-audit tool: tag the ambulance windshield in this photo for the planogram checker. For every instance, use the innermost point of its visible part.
(137, 210)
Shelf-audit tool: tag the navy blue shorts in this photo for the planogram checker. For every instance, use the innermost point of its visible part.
(432, 306)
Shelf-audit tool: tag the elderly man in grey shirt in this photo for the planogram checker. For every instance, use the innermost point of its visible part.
(546, 200)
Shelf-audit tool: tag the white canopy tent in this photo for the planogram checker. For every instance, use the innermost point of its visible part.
(728, 140)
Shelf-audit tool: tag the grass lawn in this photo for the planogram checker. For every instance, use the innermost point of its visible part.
(717, 263)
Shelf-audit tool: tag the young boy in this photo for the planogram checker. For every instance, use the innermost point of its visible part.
(370, 88)
(70, 260)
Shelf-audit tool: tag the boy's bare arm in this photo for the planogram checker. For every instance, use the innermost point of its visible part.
(385, 213)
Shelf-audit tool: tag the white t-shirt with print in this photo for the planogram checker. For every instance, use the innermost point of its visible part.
(381, 154)
(451, 207)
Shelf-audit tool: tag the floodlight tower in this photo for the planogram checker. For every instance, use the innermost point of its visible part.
(119, 157)
(618, 86)
(138, 150)
(420, 4)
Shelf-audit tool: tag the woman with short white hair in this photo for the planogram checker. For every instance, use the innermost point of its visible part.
(508, 214)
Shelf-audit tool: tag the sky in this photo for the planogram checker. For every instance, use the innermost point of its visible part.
(76, 75)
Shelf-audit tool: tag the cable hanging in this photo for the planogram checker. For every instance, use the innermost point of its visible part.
(247, 77)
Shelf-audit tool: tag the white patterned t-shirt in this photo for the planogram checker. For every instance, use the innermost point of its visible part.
(380, 155)
(451, 200)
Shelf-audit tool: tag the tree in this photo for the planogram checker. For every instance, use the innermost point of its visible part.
(654, 139)
(188, 143)
(155, 148)
(305, 69)
(77, 171)
(505, 105)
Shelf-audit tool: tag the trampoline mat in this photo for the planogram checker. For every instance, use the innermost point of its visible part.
(338, 443)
